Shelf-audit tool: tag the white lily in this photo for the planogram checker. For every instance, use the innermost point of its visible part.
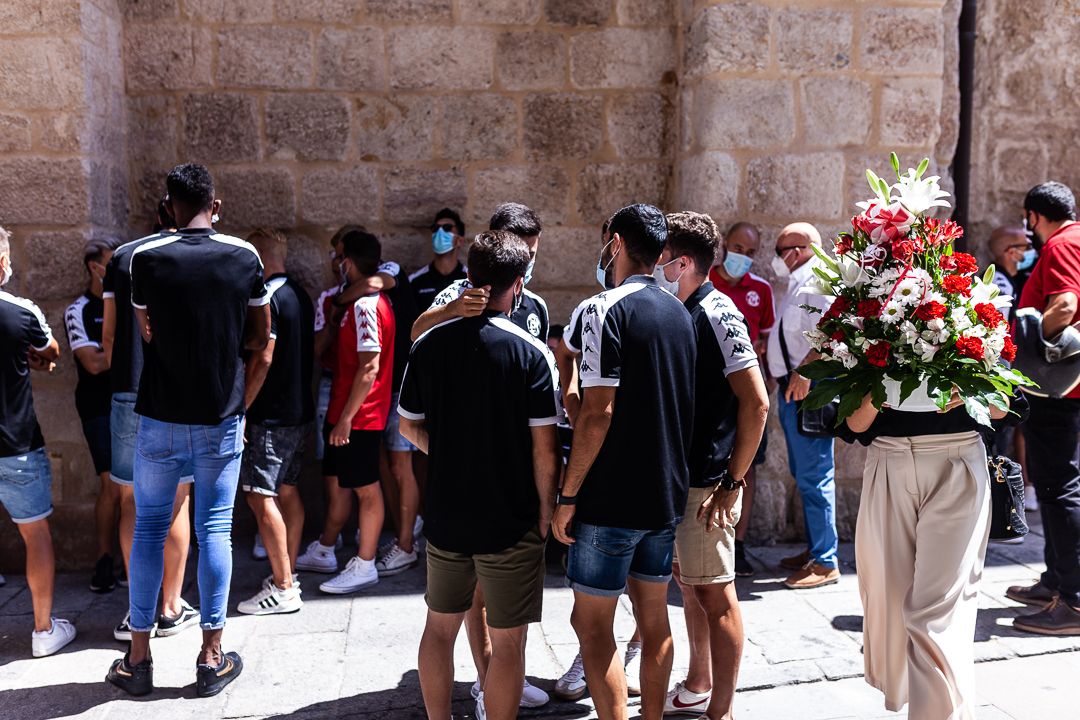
(989, 293)
(817, 286)
(918, 195)
(852, 272)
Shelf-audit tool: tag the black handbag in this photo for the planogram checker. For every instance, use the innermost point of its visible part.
(819, 423)
(1007, 519)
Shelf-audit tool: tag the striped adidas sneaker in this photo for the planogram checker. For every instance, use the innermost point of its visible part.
(271, 600)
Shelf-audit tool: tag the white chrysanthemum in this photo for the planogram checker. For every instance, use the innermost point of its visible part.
(909, 291)
(893, 312)
(919, 195)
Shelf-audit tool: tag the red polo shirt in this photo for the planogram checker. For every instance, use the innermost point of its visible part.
(753, 296)
(1056, 272)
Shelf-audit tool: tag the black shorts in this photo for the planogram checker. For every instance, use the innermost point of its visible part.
(99, 440)
(356, 464)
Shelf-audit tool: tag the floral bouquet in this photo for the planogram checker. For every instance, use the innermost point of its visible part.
(911, 320)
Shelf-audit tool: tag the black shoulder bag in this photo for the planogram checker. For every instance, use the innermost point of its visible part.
(820, 423)
(1007, 519)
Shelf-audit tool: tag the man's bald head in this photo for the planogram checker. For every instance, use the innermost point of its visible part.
(805, 230)
(1005, 236)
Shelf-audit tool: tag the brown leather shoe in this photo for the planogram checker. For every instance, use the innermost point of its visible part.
(1056, 619)
(796, 562)
(1037, 594)
(812, 576)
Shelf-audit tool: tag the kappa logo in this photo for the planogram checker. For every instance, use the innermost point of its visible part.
(753, 299)
(592, 311)
(585, 366)
(533, 324)
(586, 329)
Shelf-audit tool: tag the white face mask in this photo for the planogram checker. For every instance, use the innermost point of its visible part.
(672, 286)
(780, 267)
(5, 272)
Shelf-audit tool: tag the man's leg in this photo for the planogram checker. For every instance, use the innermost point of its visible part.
(177, 546)
(292, 511)
(723, 619)
(436, 662)
(40, 570)
(105, 514)
(401, 469)
(337, 511)
(593, 619)
(372, 514)
(476, 630)
(272, 529)
(813, 469)
(657, 653)
(502, 689)
(699, 674)
(127, 523)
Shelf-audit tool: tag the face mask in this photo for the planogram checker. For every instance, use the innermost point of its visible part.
(517, 302)
(1028, 261)
(780, 267)
(529, 270)
(602, 276)
(342, 272)
(672, 286)
(5, 273)
(442, 241)
(737, 265)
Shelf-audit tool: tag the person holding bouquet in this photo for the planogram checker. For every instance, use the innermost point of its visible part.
(912, 344)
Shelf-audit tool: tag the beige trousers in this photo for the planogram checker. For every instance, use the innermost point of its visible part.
(920, 543)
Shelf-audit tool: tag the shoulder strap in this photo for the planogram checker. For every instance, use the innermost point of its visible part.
(783, 347)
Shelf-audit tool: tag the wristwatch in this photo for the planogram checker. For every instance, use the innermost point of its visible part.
(561, 499)
(729, 483)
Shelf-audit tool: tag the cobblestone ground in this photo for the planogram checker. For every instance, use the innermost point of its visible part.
(346, 657)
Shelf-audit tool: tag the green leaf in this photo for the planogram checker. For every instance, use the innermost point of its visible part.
(850, 402)
(822, 370)
(922, 168)
(829, 262)
(877, 394)
(978, 409)
(895, 162)
(908, 386)
(999, 400)
(988, 276)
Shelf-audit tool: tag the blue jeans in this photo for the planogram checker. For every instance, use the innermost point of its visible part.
(811, 462)
(26, 486)
(322, 406)
(162, 451)
(601, 558)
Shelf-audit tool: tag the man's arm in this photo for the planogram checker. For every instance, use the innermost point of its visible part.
(471, 303)
(566, 361)
(143, 320)
(255, 370)
(93, 359)
(256, 327)
(594, 420)
(43, 359)
(799, 386)
(546, 467)
(415, 432)
(362, 382)
(1059, 313)
(108, 329)
(749, 388)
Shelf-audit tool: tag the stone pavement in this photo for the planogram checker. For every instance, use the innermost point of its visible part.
(355, 657)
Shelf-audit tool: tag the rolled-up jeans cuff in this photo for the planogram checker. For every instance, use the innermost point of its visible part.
(212, 626)
(145, 630)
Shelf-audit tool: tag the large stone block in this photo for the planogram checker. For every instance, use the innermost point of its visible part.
(47, 16)
(271, 57)
(55, 270)
(740, 113)
(645, 12)
(563, 126)
(60, 132)
(544, 188)
(622, 57)
(255, 197)
(710, 182)
(577, 12)
(337, 196)
(910, 112)
(814, 39)
(308, 127)
(641, 125)
(727, 37)
(395, 128)
(230, 11)
(438, 57)
(498, 12)
(898, 40)
(327, 11)
(479, 127)
(152, 129)
(567, 258)
(412, 196)
(182, 63)
(604, 188)
(40, 73)
(43, 191)
(351, 59)
(149, 9)
(797, 187)
(220, 127)
(1020, 165)
(531, 60)
(14, 133)
(836, 111)
(419, 11)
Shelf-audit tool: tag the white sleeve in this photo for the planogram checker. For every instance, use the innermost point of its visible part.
(76, 328)
(452, 292)
(366, 315)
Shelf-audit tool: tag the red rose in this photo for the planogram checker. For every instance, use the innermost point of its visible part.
(878, 354)
(969, 347)
(930, 311)
(838, 336)
(956, 284)
(868, 308)
(1009, 351)
(989, 315)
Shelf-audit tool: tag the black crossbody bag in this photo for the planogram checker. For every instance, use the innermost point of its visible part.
(1007, 519)
(819, 423)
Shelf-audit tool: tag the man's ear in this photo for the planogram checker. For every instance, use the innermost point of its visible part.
(215, 207)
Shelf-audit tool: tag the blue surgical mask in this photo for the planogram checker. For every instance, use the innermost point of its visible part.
(602, 270)
(529, 270)
(1028, 261)
(737, 265)
(442, 241)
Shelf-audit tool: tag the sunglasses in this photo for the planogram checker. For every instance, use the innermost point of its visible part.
(781, 250)
(448, 227)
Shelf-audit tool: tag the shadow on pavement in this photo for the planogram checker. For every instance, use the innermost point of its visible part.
(66, 699)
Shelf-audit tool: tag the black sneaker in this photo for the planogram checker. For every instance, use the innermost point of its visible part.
(103, 580)
(121, 577)
(167, 627)
(743, 568)
(210, 680)
(132, 679)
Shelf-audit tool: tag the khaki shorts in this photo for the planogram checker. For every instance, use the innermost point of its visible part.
(512, 581)
(705, 558)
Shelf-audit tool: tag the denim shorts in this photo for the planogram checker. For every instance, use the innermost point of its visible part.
(273, 456)
(26, 486)
(601, 558)
(124, 425)
(392, 437)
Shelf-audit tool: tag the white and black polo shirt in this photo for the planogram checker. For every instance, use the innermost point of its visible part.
(479, 384)
(427, 283)
(196, 286)
(723, 347)
(83, 321)
(640, 340)
(22, 326)
(531, 315)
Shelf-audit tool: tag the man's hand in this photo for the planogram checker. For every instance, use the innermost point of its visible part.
(39, 363)
(955, 401)
(471, 303)
(562, 522)
(716, 511)
(798, 388)
(340, 434)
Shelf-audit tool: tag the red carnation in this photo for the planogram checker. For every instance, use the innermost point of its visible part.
(930, 311)
(1009, 351)
(969, 347)
(961, 263)
(989, 315)
(868, 308)
(838, 336)
(878, 354)
(839, 306)
(956, 284)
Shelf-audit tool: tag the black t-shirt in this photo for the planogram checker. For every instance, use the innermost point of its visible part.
(285, 397)
(639, 339)
(531, 315)
(723, 347)
(481, 493)
(403, 300)
(83, 320)
(128, 350)
(427, 282)
(196, 286)
(22, 326)
(901, 423)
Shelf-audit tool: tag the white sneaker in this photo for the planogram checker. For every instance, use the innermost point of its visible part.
(269, 580)
(681, 701)
(531, 696)
(481, 711)
(271, 600)
(1031, 503)
(357, 574)
(571, 686)
(318, 558)
(632, 668)
(395, 561)
(258, 550)
(52, 640)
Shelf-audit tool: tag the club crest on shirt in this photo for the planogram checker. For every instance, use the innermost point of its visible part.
(533, 323)
(753, 299)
